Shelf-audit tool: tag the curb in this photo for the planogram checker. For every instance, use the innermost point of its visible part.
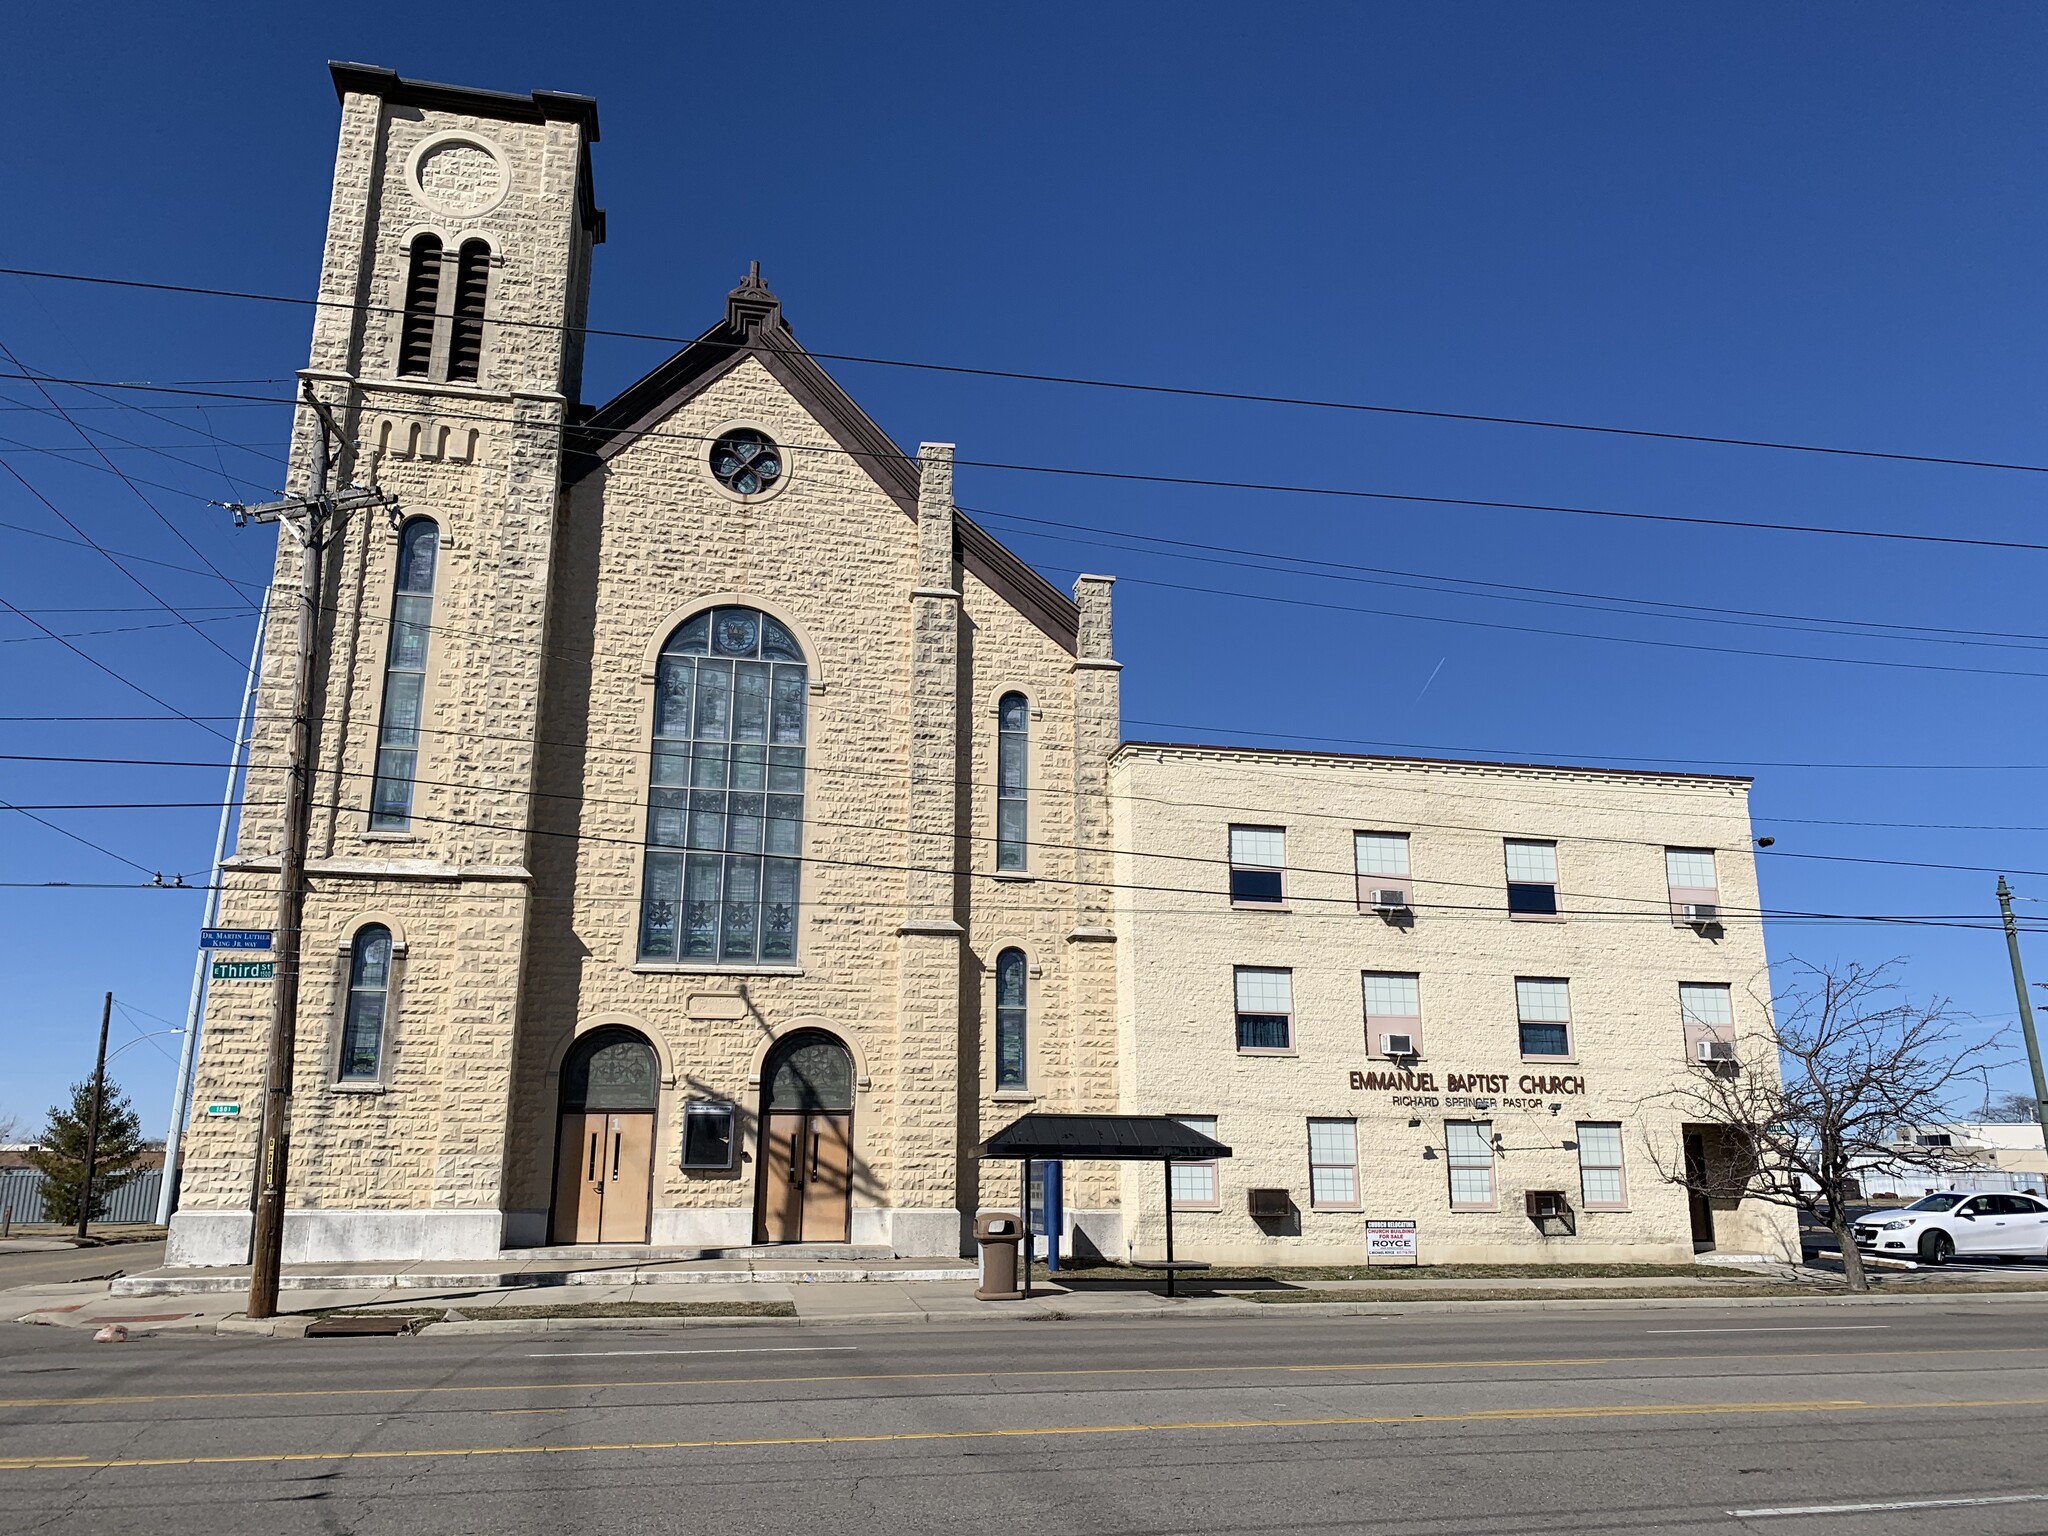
(509, 1280)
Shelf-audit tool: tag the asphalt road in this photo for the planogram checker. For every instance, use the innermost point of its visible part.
(1667, 1420)
(57, 1265)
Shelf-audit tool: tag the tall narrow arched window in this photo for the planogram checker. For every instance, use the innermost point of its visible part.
(1013, 781)
(405, 676)
(422, 307)
(362, 1018)
(1012, 1016)
(726, 792)
(466, 336)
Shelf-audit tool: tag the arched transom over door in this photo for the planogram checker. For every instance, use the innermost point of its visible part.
(604, 1158)
(804, 1182)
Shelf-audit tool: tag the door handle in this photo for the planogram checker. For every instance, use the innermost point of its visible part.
(591, 1173)
(617, 1137)
(814, 1159)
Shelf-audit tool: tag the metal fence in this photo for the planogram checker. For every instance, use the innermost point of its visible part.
(133, 1200)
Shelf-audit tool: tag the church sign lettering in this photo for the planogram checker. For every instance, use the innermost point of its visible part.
(1468, 1090)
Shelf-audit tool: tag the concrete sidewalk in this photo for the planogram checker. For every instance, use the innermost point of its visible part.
(708, 1299)
(543, 1273)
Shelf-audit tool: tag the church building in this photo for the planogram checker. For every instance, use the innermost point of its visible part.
(716, 836)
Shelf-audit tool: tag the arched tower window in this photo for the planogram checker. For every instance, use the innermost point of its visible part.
(1013, 781)
(726, 792)
(369, 988)
(466, 337)
(1012, 1017)
(405, 676)
(422, 306)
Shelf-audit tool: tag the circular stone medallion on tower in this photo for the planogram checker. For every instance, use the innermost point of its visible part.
(458, 175)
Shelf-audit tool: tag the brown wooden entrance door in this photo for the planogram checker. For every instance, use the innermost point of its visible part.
(604, 1158)
(804, 1179)
(602, 1178)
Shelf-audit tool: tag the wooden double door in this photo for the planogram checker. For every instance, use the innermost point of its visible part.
(603, 1177)
(806, 1177)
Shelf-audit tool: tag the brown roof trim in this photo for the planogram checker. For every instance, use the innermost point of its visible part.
(535, 107)
(642, 405)
(1448, 762)
(506, 106)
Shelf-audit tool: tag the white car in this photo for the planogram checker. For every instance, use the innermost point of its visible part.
(1957, 1226)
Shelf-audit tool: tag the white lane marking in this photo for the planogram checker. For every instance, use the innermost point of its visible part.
(1875, 1509)
(779, 1349)
(1793, 1328)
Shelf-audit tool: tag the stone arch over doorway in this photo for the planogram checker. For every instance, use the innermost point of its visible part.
(803, 1182)
(604, 1140)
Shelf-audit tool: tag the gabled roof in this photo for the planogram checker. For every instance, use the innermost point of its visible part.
(754, 327)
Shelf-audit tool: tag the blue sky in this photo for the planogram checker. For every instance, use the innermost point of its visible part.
(1819, 223)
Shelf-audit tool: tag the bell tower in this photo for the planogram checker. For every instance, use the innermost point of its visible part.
(448, 348)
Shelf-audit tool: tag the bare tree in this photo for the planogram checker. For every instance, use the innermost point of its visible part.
(1862, 1065)
(2010, 1109)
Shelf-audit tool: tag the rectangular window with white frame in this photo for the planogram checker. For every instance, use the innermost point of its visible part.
(1265, 1010)
(1532, 878)
(1393, 1014)
(1333, 1165)
(1468, 1146)
(1381, 859)
(1602, 1185)
(1693, 884)
(1194, 1185)
(1706, 1011)
(1258, 864)
(1543, 1016)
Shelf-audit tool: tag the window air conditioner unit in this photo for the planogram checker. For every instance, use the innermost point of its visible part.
(1550, 1211)
(1390, 901)
(1717, 1050)
(1397, 1045)
(1271, 1204)
(1700, 914)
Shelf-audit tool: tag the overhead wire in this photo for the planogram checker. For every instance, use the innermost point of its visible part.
(1073, 380)
(445, 410)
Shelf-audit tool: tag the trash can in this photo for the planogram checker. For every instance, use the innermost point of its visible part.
(998, 1233)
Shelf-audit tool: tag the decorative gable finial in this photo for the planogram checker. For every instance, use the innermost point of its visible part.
(751, 306)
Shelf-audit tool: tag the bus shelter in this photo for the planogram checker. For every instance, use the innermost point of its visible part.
(1111, 1138)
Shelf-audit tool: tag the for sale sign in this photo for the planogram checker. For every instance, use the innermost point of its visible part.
(1389, 1240)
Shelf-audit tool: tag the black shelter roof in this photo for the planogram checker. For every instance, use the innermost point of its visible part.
(1124, 1138)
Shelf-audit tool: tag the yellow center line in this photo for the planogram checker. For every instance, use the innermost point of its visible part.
(1470, 1416)
(986, 1372)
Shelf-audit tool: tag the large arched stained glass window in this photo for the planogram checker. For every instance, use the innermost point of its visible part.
(725, 803)
(405, 676)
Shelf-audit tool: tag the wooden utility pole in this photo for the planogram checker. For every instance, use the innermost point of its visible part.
(92, 1121)
(312, 520)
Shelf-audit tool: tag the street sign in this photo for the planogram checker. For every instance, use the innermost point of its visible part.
(1389, 1239)
(234, 938)
(244, 970)
(224, 1111)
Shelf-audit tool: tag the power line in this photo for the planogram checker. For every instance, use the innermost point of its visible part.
(1278, 488)
(1078, 381)
(125, 681)
(87, 543)
(86, 437)
(118, 858)
(1131, 541)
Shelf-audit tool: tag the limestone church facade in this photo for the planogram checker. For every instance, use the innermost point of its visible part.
(710, 841)
(716, 837)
